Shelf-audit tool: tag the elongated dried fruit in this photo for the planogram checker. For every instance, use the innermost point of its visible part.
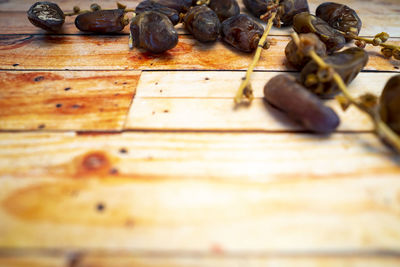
(242, 32)
(306, 23)
(46, 15)
(298, 56)
(102, 21)
(289, 8)
(150, 5)
(283, 92)
(347, 64)
(182, 6)
(389, 106)
(286, 9)
(154, 32)
(225, 8)
(203, 23)
(340, 17)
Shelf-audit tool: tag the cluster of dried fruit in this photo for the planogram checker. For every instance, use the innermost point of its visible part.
(324, 71)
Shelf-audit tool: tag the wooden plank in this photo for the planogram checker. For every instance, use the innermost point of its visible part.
(242, 193)
(377, 16)
(33, 261)
(66, 100)
(245, 261)
(112, 52)
(262, 157)
(204, 101)
(86, 259)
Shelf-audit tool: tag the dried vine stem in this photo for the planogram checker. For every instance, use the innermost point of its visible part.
(245, 89)
(381, 127)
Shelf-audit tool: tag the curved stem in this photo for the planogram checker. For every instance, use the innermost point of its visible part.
(380, 127)
(245, 82)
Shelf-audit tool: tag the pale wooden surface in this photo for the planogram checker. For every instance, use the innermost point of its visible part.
(116, 157)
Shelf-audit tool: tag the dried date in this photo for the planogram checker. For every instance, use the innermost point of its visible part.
(389, 106)
(225, 8)
(299, 104)
(150, 5)
(347, 64)
(153, 31)
(307, 23)
(242, 32)
(203, 23)
(46, 15)
(102, 21)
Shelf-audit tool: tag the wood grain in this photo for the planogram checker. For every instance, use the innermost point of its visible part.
(112, 52)
(204, 101)
(66, 100)
(234, 193)
(377, 16)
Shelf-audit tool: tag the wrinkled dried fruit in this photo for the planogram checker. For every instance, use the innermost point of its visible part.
(154, 32)
(305, 23)
(242, 32)
(181, 6)
(150, 5)
(347, 64)
(286, 9)
(298, 56)
(47, 16)
(102, 21)
(289, 8)
(258, 7)
(340, 17)
(225, 8)
(389, 106)
(283, 92)
(203, 23)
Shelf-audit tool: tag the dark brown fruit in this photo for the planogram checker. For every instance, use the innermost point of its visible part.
(102, 21)
(347, 64)
(150, 5)
(340, 17)
(154, 32)
(242, 32)
(258, 7)
(298, 56)
(289, 8)
(225, 8)
(203, 23)
(182, 6)
(389, 106)
(305, 23)
(297, 103)
(47, 16)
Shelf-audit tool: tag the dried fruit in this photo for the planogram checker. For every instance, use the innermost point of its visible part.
(340, 17)
(102, 21)
(153, 31)
(182, 6)
(242, 32)
(286, 9)
(297, 54)
(389, 106)
(347, 64)
(299, 104)
(225, 8)
(150, 5)
(305, 23)
(203, 23)
(46, 15)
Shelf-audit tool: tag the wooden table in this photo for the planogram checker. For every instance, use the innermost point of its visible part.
(117, 157)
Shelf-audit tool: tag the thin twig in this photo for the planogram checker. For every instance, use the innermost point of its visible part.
(245, 82)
